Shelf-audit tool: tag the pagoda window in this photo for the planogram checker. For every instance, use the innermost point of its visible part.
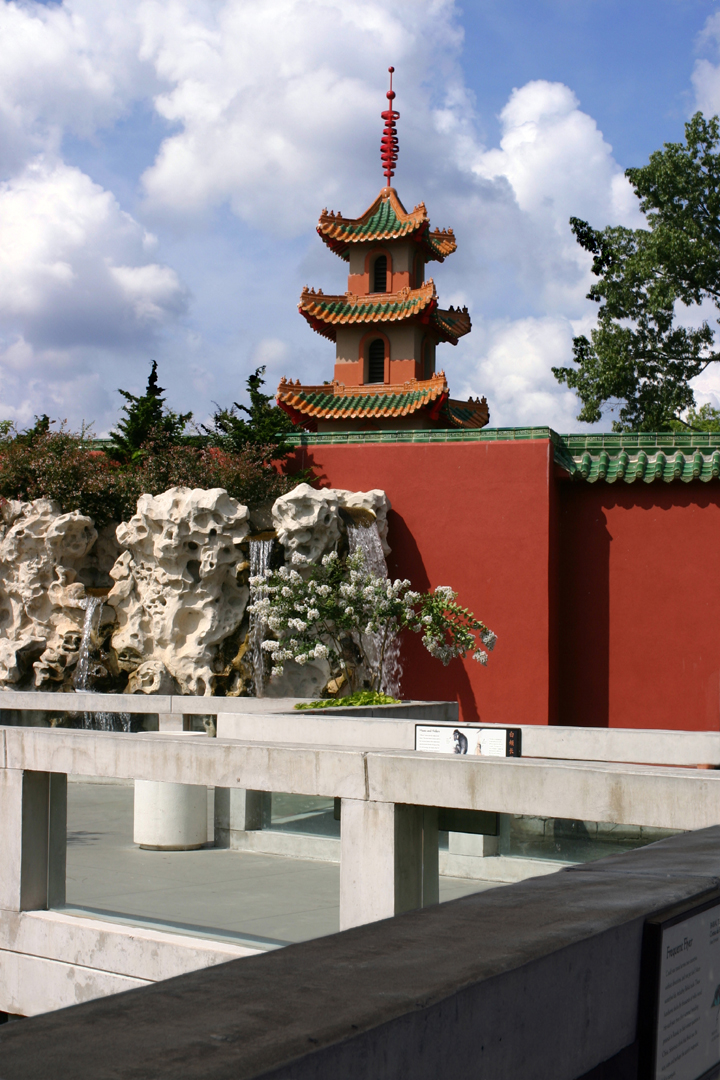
(418, 271)
(376, 361)
(380, 274)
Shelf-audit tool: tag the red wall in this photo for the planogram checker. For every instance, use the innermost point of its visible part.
(639, 612)
(476, 516)
(605, 597)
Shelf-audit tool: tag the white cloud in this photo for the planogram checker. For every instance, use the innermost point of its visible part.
(278, 102)
(73, 267)
(706, 75)
(514, 373)
(554, 157)
(67, 68)
(272, 110)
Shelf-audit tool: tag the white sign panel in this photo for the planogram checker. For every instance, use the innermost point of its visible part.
(483, 742)
(688, 1007)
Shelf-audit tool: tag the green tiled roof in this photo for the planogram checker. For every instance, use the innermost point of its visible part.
(644, 457)
(385, 223)
(387, 219)
(369, 312)
(461, 411)
(384, 220)
(330, 403)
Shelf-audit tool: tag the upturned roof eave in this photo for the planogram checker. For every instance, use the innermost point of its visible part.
(340, 233)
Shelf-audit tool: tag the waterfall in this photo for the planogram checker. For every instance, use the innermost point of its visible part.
(260, 551)
(365, 538)
(94, 721)
(82, 672)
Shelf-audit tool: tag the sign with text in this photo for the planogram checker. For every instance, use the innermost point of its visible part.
(475, 741)
(681, 969)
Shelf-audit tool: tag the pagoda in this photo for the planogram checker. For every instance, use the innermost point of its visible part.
(388, 325)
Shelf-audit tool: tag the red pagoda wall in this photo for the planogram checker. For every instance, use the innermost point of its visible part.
(639, 625)
(604, 597)
(475, 516)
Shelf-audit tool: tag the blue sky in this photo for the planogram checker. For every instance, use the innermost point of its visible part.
(164, 163)
(630, 64)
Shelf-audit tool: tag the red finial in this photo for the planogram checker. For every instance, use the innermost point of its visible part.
(389, 141)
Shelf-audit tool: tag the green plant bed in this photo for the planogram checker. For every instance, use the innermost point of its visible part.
(362, 697)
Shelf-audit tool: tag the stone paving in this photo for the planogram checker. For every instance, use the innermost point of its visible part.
(268, 898)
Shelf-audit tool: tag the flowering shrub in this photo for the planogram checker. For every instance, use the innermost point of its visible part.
(67, 467)
(335, 610)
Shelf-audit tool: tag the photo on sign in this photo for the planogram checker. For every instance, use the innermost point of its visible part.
(480, 742)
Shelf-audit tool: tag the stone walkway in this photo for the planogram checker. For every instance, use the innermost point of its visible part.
(267, 898)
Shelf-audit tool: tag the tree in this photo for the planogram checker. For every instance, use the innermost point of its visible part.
(639, 359)
(147, 420)
(264, 429)
(706, 418)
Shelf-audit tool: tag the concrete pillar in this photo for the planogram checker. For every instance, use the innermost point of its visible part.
(475, 844)
(168, 721)
(33, 812)
(170, 817)
(238, 811)
(388, 860)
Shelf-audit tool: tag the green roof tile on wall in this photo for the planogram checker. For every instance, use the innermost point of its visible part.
(644, 457)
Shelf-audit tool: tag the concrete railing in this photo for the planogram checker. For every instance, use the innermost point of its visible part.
(388, 727)
(390, 802)
(540, 979)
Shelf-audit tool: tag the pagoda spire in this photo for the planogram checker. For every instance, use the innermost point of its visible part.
(389, 141)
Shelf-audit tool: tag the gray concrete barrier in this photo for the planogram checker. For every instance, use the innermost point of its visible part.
(540, 980)
(390, 801)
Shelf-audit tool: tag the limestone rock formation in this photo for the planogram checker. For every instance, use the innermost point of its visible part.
(174, 619)
(376, 501)
(176, 592)
(42, 603)
(309, 521)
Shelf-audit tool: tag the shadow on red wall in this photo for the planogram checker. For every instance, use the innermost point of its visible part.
(424, 677)
(638, 615)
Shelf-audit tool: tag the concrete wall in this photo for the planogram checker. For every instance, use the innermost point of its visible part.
(389, 827)
(540, 979)
(52, 959)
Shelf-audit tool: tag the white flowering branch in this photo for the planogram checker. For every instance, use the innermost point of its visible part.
(335, 609)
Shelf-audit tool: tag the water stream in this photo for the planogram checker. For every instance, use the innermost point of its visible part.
(94, 721)
(260, 552)
(365, 538)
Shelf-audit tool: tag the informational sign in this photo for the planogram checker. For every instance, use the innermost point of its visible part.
(475, 741)
(681, 973)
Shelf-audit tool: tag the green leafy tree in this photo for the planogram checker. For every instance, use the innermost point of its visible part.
(262, 428)
(147, 420)
(706, 418)
(638, 360)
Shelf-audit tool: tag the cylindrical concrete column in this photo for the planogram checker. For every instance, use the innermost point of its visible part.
(170, 817)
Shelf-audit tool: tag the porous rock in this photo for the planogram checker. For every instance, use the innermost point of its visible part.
(308, 520)
(42, 602)
(176, 592)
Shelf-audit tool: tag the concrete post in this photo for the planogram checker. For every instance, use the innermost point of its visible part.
(33, 810)
(168, 721)
(239, 811)
(388, 860)
(475, 844)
